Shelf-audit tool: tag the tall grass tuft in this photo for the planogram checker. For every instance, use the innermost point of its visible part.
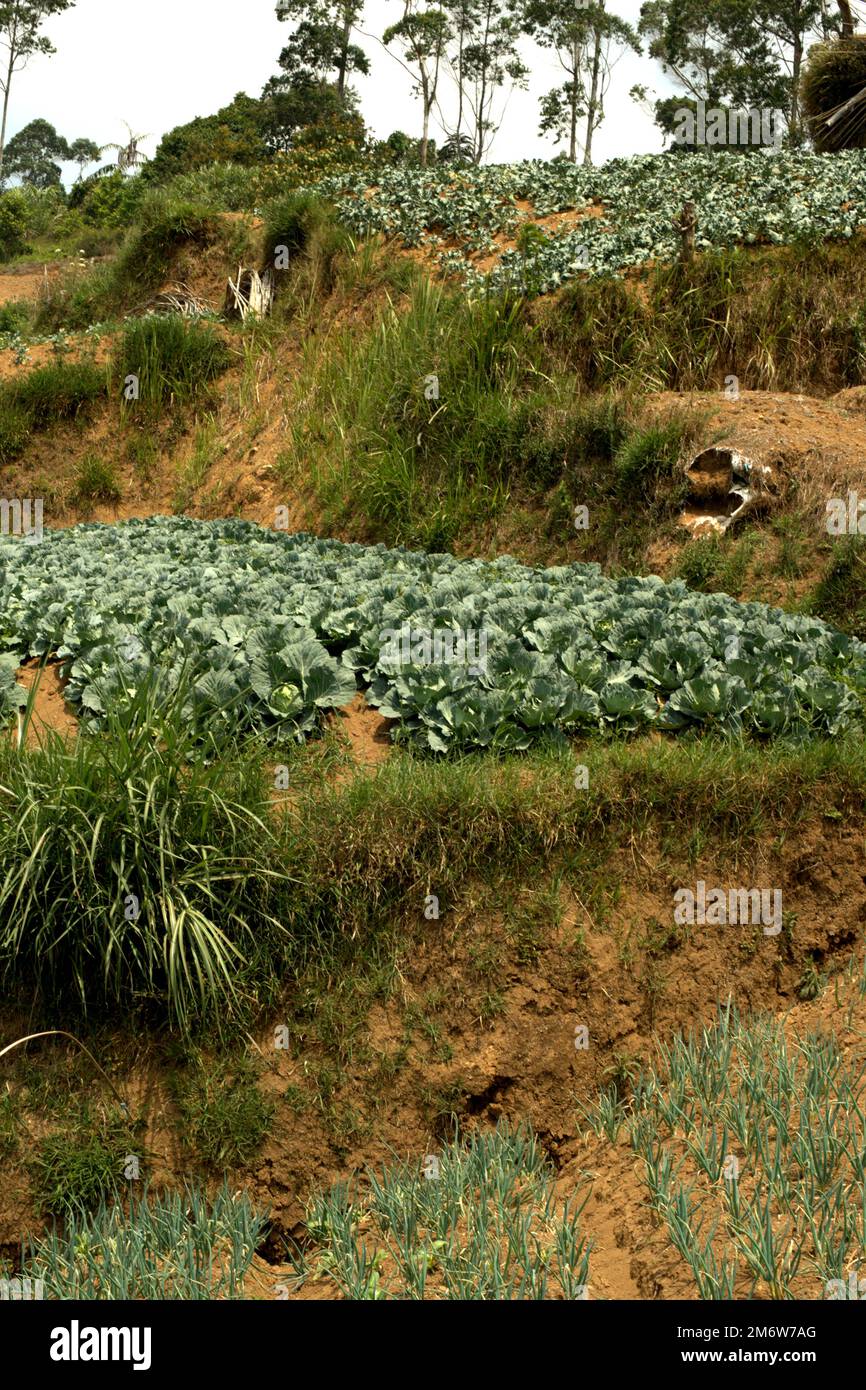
(138, 868)
(175, 359)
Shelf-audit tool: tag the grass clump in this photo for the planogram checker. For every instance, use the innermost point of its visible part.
(76, 1168)
(840, 595)
(305, 245)
(43, 397)
(95, 480)
(174, 360)
(138, 868)
(225, 1117)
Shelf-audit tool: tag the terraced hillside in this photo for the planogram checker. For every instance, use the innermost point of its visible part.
(431, 835)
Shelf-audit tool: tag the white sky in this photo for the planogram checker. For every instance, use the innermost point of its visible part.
(160, 63)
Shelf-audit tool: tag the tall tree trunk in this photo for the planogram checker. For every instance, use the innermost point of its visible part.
(482, 95)
(344, 51)
(460, 79)
(12, 55)
(427, 103)
(593, 99)
(6, 91)
(796, 66)
(847, 19)
(573, 97)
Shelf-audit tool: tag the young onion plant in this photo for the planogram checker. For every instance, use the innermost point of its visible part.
(481, 1222)
(753, 1143)
(173, 1246)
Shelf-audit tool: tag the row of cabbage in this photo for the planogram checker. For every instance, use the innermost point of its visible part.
(278, 628)
(774, 196)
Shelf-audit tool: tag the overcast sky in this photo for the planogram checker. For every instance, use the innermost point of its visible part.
(160, 63)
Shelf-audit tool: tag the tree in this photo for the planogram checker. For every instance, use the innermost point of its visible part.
(129, 156)
(423, 35)
(33, 152)
(20, 22)
(588, 41)
(736, 53)
(322, 41)
(291, 105)
(486, 59)
(235, 134)
(464, 23)
(83, 152)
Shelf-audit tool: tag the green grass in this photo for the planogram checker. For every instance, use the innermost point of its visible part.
(164, 226)
(840, 595)
(225, 1119)
(448, 416)
(138, 868)
(16, 316)
(44, 396)
(782, 318)
(235, 901)
(175, 361)
(717, 564)
(75, 1168)
(301, 230)
(95, 480)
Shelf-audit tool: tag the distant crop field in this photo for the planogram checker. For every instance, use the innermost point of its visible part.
(774, 197)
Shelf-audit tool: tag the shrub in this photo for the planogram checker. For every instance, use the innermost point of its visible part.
(15, 316)
(13, 224)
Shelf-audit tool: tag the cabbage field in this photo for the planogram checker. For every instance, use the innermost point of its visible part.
(272, 629)
(773, 197)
